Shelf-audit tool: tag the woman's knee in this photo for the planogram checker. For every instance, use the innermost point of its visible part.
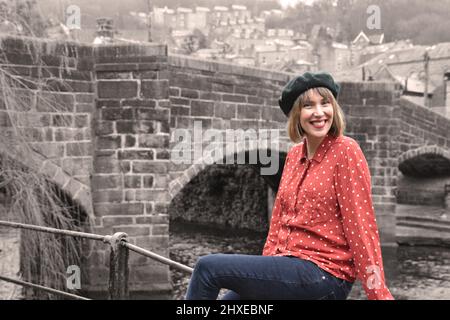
(208, 262)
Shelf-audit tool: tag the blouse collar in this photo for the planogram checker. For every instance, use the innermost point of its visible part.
(320, 151)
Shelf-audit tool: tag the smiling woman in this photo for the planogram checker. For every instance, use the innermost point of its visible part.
(323, 234)
(314, 114)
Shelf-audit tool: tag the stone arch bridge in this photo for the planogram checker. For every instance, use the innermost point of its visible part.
(108, 139)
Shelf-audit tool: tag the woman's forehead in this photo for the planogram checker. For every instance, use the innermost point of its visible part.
(314, 94)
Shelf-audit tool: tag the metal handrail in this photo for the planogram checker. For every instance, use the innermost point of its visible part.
(119, 260)
(55, 231)
(47, 289)
(157, 257)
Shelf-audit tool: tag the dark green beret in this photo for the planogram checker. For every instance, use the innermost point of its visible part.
(300, 84)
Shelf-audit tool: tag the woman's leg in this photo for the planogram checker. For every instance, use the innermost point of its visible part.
(231, 295)
(259, 277)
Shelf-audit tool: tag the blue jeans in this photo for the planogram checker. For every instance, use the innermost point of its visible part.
(263, 277)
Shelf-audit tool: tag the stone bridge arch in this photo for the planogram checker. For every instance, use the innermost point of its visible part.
(193, 177)
(277, 158)
(29, 159)
(199, 165)
(425, 161)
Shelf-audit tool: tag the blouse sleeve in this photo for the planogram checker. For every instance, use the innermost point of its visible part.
(353, 188)
(272, 238)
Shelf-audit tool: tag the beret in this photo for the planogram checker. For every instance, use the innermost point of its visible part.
(296, 86)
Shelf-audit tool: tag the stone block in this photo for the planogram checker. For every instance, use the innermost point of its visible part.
(248, 112)
(62, 120)
(190, 93)
(149, 167)
(153, 114)
(77, 166)
(202, 108)
(79, 149)
(153, 141)
(108, 196)
(234, 98)
(117, 89)
(148, 181)
(111, 221)
(133, 182)
(155, 89)
(108, 142)
(162, 155)
(106, 165)
(129, 208)
(133, 231)
(130, 141)
(106, 182)
(136, 155)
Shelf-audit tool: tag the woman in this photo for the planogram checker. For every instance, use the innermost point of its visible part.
(323, 233)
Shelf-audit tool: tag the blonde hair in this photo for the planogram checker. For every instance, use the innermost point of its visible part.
(295, 130)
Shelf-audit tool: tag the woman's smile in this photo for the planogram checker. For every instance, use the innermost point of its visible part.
(319, 124)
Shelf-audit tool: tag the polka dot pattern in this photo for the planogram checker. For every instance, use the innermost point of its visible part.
(323, 212)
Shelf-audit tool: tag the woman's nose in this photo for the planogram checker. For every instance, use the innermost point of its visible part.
(318, 110)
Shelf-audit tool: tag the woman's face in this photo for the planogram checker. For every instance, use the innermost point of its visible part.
(316, 116)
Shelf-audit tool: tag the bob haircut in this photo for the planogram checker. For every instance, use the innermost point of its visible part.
(296, 132)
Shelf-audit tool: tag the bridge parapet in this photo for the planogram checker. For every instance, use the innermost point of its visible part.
(109, 137)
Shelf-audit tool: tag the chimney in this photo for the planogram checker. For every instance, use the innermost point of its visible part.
(105, 28)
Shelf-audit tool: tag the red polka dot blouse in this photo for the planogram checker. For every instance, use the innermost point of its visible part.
(323, 212)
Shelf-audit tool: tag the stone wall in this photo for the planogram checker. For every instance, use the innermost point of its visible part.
(222, 96)
(109, 143)
(97, 120)
(424, 145)
(131, 160)
(421, 126)
(371, 110)
(54, 83)
(421, 191)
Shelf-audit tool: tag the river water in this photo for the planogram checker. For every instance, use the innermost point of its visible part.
(412, 272)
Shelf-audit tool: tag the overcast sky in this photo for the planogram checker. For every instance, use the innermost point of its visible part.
(287, 3)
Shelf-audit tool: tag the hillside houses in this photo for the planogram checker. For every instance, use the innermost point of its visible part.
(232, 34)
(417, 69)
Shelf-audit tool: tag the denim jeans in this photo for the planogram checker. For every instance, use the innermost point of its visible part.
(263, 277)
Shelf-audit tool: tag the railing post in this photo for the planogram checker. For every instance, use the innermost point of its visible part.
(118, 268)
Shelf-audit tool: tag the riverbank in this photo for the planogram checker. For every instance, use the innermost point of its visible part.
(422, 225)
(9, 263)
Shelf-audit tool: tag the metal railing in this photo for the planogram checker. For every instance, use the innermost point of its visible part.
(118, 266)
